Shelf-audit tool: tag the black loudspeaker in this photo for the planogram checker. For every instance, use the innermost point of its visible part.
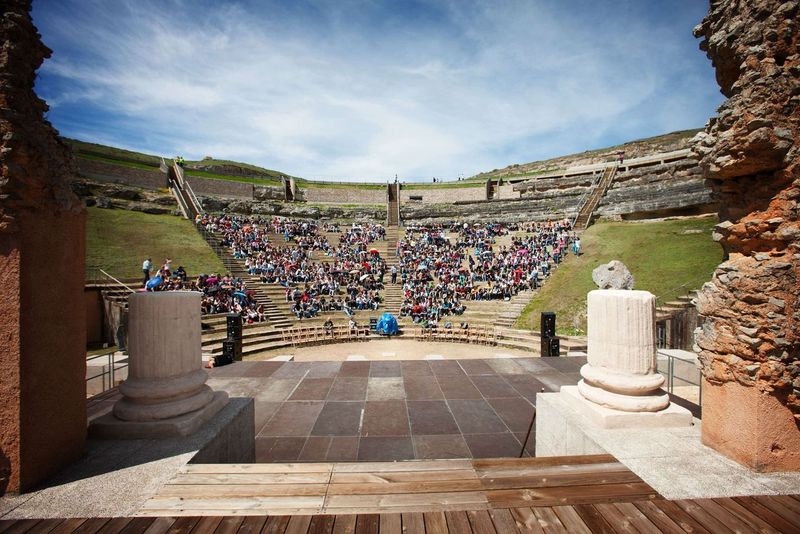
(544, 349)
(222, 359)
(232, 349)
(555, 347)
(373, 323)
(548, 324)
(234, 329)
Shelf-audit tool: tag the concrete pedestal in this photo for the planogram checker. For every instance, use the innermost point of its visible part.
(165, 393)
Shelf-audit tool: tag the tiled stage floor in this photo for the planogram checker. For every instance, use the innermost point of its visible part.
(393, 410)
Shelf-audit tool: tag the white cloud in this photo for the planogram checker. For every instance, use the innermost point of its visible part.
(331, 99)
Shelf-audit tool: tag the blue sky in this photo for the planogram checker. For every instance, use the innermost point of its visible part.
(361, 90)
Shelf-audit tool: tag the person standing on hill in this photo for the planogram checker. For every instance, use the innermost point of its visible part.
(146, 266)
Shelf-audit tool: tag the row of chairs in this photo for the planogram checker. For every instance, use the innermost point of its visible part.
(484, 335)
(311, 335)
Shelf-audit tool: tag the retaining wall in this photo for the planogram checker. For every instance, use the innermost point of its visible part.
(105, 172)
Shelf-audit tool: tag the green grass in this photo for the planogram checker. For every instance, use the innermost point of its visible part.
(121, 163)
(667, 258)
(117, 154)
(255, 169)
(118, 241)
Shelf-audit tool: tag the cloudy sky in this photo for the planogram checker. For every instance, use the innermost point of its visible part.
(363, 89)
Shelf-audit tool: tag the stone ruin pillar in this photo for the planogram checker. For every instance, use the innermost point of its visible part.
(750, 339)
(42, 241)
(621, 369)
(621, 387)
(165, 394)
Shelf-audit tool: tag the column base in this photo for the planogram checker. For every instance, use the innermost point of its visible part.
(602, 417)
(110, 427)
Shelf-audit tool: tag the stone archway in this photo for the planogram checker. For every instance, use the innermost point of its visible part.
(750, 341)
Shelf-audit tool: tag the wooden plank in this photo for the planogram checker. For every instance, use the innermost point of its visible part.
(571, 520)
(207, 525)
(636, 518)
(68, 526)
(657, 516)
(321, 524)
(275, 524)
(565, 479)
(702, 516)
(256, 468)
(789, 502)
(616, 518)
(593, 519)
(249, 503)
(480, 522)
(569, 495)
(389, 501)
(368, 524)
(252, 524)
(411, 465)
(457, 521)
(391, 524)
(679, 516)
(503, 521)
(229, 512)
(526, 520)
(779, 508)
(183, 524)
(725, 516)
(241, 490)
(19, 526)
(548, 520)
(413, 523)
(752, 520)
(482, 463)
(91, 525)
(159, 525)
(344, 524)
(229, 525)
(445, 486)
(114, 525)
(542, 471)
(395, 477)
(298, 524)
(45, 526)
(217, 479)
(435, 523)
(753, 505)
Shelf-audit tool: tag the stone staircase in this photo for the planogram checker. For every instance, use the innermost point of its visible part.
(587, 210)
(512, 309)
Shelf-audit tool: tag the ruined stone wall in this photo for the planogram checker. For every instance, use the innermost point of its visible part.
(344, 195)
(750, 341)
(106, 172)
(42, 237)
(220, 188)
(444, 195)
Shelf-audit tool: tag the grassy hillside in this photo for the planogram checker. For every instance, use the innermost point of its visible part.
(667, 258)
(118, 241)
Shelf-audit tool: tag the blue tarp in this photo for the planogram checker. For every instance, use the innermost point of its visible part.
(387, 325)
(154, 282)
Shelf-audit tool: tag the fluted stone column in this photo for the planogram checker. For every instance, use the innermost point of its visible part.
(621, 370)
(165, 393)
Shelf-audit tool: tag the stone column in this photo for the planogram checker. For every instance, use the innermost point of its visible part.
(165, 393)
(621, 369)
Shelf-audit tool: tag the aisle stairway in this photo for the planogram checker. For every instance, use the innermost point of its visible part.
(587, 210)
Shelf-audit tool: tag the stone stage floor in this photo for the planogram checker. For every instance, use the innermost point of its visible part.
(336, 411)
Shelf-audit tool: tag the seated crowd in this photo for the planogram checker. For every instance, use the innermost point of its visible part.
(353, 271)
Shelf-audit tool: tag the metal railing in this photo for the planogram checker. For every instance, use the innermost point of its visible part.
(108, 372)
(116, 280)
(681, 372)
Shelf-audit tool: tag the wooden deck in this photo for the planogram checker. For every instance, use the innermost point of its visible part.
(410, 486)
(716, 516)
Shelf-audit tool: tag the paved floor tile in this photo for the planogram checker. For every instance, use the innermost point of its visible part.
(355, 369)
(431, 417)
(494, 386)
(503, 445)
(526, 385)
(446, 368)
(338, 419)
(506, 366)
(278, 449)
(476, 417)
(570, 364)
(458, 387)
(348, 389)
(261, 369)
(441, 446)
(385, 418)
(422, 388)
(516, 412)
(535, 365)
(294, 418)
(263, 413)
(554, 380)
(324, 370)
(476, 367)
(343, 449)
(385, 449)
(276, 389)
(415, 368)
(379, 388)
(386, 369)
(312, 389)
(315, 449)
(292, 370)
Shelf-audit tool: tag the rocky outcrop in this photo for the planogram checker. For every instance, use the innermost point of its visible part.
(749, 153)
(119, 196)
(292, 209)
